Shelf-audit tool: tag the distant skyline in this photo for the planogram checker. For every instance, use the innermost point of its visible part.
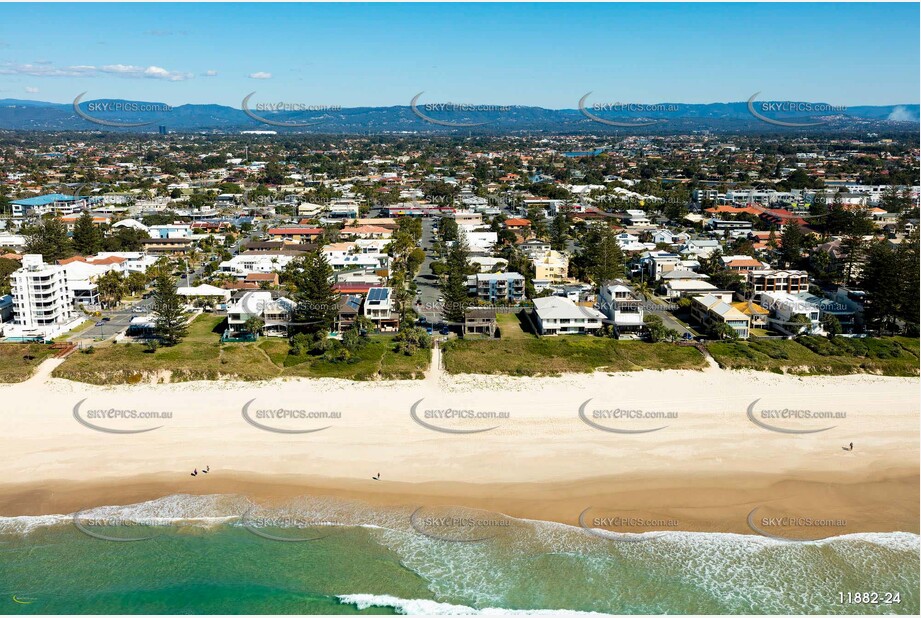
(546, 55)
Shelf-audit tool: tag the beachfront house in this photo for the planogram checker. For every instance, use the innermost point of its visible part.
(623, 309)
(556, 315)
(275, 313)
(710, 310)
(480, 321)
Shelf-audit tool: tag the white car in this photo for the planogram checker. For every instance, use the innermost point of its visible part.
(441, 299)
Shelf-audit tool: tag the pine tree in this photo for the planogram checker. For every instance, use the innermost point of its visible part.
(87, 237)
(170, 319)
(317, 303)
(604, 257)
(791, 243)
(454, 289)
(49, 239)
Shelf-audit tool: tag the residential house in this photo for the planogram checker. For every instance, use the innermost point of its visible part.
(349, 310)
(741, 263)
(755, 312)
(276, 314)
(772, 280)
(710, 310)
(784, 308)
(53, 203)
(556, 315)
(680, 283)
(480, 321)
(379, 308)
(299, 234)
(534, 247)
(623, 308)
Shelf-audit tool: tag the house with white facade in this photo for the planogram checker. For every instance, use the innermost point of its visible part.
(784, 308)
(623, 309)
(276, 314)
(379, 308)
(42, 302)
(556, 315)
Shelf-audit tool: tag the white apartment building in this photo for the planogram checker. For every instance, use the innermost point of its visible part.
(42, 304)
(242, 265)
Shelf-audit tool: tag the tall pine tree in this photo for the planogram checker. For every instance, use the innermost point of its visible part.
(87, 237)
(170, 319)
(454, 289)
(317, 303)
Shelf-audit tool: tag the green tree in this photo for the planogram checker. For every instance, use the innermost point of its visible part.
(832, 325)
(87, 238)
(111, 288)
(254, 325)
(49, 238)
(603, 256)
(136, 282)
(317, 303)
(170, 321)
(454, 288)
(791, 244)
(7, 267)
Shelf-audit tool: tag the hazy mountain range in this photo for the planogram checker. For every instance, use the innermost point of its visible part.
(666, 118)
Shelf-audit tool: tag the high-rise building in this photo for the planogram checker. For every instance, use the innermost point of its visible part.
(42, 305)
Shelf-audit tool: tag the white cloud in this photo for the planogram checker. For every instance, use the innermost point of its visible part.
(31, 89)
(210, 73)
(122, 70)
(260, 75)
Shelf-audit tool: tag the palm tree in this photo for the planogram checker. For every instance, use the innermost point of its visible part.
(111, 288)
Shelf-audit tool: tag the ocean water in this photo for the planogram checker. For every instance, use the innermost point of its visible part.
(222, 554)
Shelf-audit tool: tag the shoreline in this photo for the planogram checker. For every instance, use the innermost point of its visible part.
(702, 463)
(880, 502)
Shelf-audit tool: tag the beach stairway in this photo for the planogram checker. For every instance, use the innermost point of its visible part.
(63, 350)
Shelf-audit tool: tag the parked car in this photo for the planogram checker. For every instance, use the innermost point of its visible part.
(445, 330)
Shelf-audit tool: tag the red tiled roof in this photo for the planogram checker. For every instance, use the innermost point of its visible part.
(261, 277)
(281, 231)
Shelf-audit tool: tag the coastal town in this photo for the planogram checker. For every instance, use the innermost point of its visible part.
(332, 255)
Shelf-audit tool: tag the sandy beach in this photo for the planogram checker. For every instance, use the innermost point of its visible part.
(701, 449)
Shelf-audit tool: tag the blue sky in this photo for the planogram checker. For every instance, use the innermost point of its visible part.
(529, 54)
